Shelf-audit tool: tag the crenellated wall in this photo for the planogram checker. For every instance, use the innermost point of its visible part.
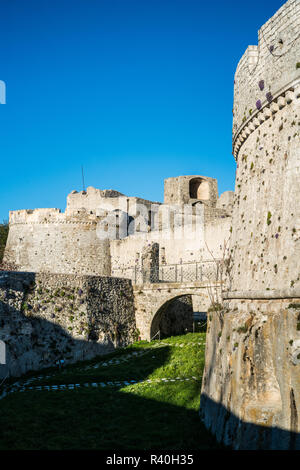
(45, 240)
(268, 68)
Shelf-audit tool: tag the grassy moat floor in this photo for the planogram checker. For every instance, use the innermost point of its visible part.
(94, 405)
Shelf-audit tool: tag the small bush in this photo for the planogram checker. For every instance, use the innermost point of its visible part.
(242, 329)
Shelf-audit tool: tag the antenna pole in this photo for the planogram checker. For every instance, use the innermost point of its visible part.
(83, 186)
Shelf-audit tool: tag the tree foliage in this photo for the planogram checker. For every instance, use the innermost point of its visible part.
(3, 238)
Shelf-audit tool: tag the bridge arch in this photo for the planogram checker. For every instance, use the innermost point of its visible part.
(177, 315)
(153, 300)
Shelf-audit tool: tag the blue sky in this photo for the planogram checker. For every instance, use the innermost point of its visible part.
(136, 91)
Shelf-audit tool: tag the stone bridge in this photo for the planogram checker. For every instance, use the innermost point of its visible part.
(152, 300)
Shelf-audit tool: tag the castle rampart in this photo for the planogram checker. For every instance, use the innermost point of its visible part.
(270, 69)
(45, 240)
(48, 240)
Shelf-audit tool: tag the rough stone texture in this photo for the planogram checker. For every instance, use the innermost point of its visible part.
(46, 317)
(226, 201)
(175, 318)
(251, 390)
(266, 218)
(150, 263)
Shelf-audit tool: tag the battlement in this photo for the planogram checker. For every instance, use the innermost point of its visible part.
(96, 201)
(270, 69)
(35, 216)
(52, 217)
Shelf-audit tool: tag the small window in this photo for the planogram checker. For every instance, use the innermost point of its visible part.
(199, 189)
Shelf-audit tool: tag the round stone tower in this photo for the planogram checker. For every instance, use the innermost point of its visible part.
(46, 240)
(251, 390)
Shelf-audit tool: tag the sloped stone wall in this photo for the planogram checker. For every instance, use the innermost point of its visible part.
(251, 388)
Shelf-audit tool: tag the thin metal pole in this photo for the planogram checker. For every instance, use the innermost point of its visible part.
(83, 186)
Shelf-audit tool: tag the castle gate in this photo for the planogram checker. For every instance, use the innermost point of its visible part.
(152, 300)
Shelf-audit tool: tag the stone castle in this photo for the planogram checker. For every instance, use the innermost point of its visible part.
(47, 240)
(83, 274)
(77, 292)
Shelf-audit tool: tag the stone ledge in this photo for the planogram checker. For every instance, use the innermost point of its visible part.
(281, 98)
(264, 294)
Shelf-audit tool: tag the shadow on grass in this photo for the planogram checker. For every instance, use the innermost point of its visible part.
(161, 416)
(100, 419)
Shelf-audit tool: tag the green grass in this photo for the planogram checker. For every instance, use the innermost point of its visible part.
(161, 416)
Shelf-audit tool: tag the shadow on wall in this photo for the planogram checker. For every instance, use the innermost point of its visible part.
(232, 431)
(227, 426)
(41, 323)
(34, 344)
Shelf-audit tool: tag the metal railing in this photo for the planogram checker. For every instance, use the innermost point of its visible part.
(201, 271)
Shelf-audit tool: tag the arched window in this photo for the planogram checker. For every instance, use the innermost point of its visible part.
(199, 189)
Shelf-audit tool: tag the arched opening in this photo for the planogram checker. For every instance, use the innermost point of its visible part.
(199, 189)
(180, 315)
